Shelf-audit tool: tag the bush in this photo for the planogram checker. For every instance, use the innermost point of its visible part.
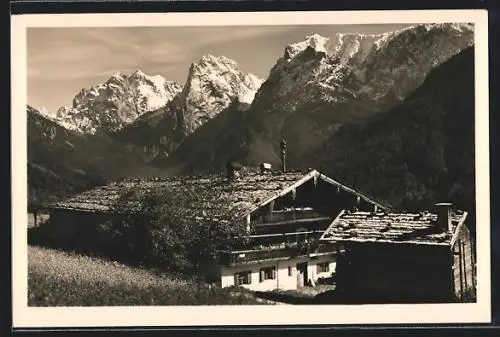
(161, 234)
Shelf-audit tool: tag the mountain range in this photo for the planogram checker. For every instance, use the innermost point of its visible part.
(320, 84)
(123, 98)
(332, 99)
(212, 85)
(420, 151)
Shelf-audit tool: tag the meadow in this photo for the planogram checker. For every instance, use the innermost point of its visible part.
(57, 278)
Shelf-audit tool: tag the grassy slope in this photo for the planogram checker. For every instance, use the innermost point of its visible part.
(58, 278)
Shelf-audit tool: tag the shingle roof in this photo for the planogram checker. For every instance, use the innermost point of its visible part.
(211, 197)
(414, 228)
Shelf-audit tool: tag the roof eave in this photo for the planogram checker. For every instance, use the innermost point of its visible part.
(304, 179)
(348, 189)
(461, 223)
(379, 241)
(332, 224)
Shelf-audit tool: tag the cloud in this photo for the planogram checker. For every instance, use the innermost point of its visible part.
(63, 60)
(90, 52)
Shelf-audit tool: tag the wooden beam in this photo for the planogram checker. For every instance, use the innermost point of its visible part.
(458, 229)
(350, 190)
(271, 206)
(460, 266)
(248, 222)
(292, 221)
(255, 236)
(473, 263)
(465, 264)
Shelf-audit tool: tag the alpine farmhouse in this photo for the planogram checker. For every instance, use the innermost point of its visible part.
(285, 214)
(403, 257)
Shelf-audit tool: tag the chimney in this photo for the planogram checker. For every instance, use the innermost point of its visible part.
(443, 222)
(265, 167)
(229, 171)
(232, 170)
(283, 154)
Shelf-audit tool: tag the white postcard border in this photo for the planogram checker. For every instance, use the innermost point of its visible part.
(24, 316)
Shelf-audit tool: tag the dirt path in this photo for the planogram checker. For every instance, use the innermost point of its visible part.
(303, 295)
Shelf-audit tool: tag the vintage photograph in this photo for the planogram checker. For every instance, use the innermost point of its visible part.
(271, 165)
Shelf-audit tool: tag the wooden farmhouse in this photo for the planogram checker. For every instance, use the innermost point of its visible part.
(402, 257)
(285, 215)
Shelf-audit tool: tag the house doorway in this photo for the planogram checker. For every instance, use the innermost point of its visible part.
(301, 274)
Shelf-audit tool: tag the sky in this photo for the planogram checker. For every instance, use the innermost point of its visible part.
(62, 61)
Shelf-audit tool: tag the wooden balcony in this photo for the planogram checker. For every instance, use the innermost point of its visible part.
(242, 257)
(287, 216)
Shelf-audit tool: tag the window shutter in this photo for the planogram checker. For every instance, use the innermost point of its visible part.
(261, 275)
(274, 273)
(236, 279)
(249, 277)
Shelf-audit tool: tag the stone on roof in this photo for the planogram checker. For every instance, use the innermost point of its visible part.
(210, 197)
(412, 228)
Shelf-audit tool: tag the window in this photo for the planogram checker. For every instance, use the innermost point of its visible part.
(268, 273)
(290, 271)
(323, 267)
(243, 277)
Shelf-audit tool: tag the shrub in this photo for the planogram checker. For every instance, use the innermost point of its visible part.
(162, 234)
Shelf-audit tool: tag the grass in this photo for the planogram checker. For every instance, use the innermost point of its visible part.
(57, 278)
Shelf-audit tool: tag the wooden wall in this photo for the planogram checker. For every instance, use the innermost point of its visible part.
(77, 229)
(322, 196)
(464, 270)
(397, 273)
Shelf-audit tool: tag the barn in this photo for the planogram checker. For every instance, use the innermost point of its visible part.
(403, 257)
(284, 213)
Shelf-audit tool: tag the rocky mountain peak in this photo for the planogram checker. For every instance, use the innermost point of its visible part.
(212, 85)
(139, 73)
(314, 42)
(209, 60)
(323, 83)
(118, 101)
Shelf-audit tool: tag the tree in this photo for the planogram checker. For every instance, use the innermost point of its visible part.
(162, 229)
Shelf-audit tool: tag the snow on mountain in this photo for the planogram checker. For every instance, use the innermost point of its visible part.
(212, 85)
(360, 66)
(117, 102)
(42, 110)
(322, 83)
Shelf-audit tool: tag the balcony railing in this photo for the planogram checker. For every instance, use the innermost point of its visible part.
(241, 257)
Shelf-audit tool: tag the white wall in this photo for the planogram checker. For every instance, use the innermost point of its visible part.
(283, 280)
(312, 267)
